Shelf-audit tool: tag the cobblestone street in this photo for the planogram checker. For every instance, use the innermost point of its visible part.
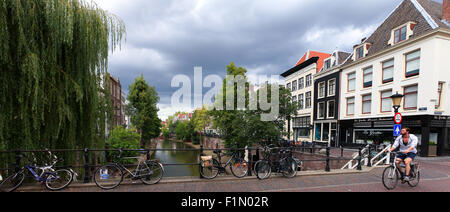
(435, 177)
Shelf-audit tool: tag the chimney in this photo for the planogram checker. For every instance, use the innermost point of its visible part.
(446, 10)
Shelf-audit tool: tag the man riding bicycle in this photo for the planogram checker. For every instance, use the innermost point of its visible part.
(408, 150)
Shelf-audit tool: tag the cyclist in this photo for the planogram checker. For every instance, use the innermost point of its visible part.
(408, 150)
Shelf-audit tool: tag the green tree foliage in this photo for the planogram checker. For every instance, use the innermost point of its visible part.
(200, 119)
(166, 133)
(121, 138)
(53, 54)
(242, 127)
(181, 130)
(143, 110)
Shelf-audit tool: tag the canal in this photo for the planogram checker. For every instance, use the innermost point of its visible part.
(177, 157)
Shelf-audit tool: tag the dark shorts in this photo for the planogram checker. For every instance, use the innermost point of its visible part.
(404, 156)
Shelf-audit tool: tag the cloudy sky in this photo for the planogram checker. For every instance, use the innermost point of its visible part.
(169, 37)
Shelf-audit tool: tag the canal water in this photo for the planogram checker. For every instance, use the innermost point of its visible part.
(177, 157)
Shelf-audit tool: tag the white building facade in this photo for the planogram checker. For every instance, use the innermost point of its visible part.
(413, 61)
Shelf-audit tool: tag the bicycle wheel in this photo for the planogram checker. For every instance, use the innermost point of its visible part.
(151, 172)
(414, 181)
(12, 182)
(239, 167)
(290, 168)
(108, 177)
(390, 177)
(59, 180)
(263, 169)
(211, 171)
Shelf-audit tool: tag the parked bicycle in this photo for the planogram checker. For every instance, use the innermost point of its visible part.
(210, 167)
(53, 179)
(110, 176)
(281, 162)
(392, 174)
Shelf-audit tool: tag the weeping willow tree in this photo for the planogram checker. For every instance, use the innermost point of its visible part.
(53, 56)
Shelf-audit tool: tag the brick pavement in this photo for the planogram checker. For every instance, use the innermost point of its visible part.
(435, 177)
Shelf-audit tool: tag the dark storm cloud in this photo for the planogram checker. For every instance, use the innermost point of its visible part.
(168, 37)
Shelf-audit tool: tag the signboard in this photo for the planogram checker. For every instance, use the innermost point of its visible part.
(397, 130)
(398, 118)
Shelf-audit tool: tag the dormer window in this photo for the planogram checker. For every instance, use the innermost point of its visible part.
(400, 35)
(360, 52)
(327, 64)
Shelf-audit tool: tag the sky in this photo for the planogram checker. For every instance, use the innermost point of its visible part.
(166, 38)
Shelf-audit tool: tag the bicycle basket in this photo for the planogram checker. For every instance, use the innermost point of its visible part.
(207, 161)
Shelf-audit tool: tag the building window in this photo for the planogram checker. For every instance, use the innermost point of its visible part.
(301, 83)
(327, 64)
(351, 106)
(351, 82)
(367, 104)
(440, 87)
(410, 102)
(308, 100)
(322, 90)
(386, 101)
(400, 35)
(367, 77)
(301, 101)
(318, 132)
(360, 52)
(326, 132)
(308, 80)
(303, 126)
(294, 99)
(289, 86)
(412, 64)
(321, 112)
(388, 71)
(331, 109)
(331, 87)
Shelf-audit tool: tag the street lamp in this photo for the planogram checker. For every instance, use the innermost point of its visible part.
(397, 101)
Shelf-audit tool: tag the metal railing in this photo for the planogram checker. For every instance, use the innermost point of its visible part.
(85, 160)
(365, 156)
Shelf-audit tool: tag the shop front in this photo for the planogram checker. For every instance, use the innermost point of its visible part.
(432, 132)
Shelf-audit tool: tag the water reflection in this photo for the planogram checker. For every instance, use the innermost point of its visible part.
(179, 157)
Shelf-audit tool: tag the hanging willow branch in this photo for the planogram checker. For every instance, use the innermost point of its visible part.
(53, 54)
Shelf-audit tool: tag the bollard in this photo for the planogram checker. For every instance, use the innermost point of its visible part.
(359, 159)
(327, 167)
(17, 165)
(200, 161)
(86, 166)
(369, 164)
(342, 151)
(250, 159)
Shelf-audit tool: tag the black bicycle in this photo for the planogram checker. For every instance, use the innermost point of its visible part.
(391, 174)
(281, 162)
(210, 167)
(148, 171)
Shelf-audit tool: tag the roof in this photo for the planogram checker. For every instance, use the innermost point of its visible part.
(301, 66)
(343, 56)
(310, 54)
(426, 13)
